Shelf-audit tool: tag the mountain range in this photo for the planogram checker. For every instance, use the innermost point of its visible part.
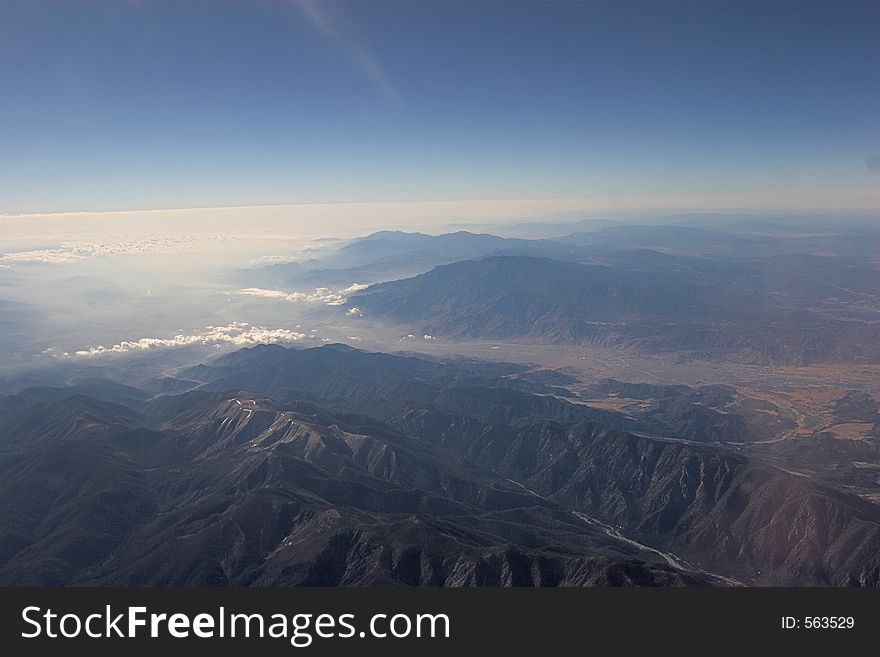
(396, 470)
(796, 309)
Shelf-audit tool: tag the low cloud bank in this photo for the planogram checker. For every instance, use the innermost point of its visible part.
(236, 334)
(321, 295)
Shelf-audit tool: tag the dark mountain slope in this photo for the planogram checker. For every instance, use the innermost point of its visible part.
(761, 524)
(709, 505)
(396, 389)
(231, 489)
(513, 296)
(455, 484)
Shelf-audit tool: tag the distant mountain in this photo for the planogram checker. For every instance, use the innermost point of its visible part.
(551, 227)
(510, 296)
(699, 244)
(857, 240)
(459, 245)
(392, 254)
(745, 311)
(681, 239)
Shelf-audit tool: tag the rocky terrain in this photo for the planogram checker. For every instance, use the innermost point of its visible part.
(375, 477)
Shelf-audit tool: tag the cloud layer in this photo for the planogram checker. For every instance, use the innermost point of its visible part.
(239, 334)
(48, 256)
(69, 252)
(322, 295)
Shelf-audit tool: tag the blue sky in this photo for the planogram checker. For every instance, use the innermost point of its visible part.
(114, 106)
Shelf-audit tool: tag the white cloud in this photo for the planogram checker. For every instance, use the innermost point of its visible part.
(69, 252)
(276, 259)
(269, 294)
(51, 256)
(410, 336)
(149, 244)
(236, 334)
(322, 295)
(354, 312)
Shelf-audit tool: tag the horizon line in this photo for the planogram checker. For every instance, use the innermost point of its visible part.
(612, 204)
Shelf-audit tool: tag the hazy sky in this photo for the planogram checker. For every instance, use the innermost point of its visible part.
(128, 105)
